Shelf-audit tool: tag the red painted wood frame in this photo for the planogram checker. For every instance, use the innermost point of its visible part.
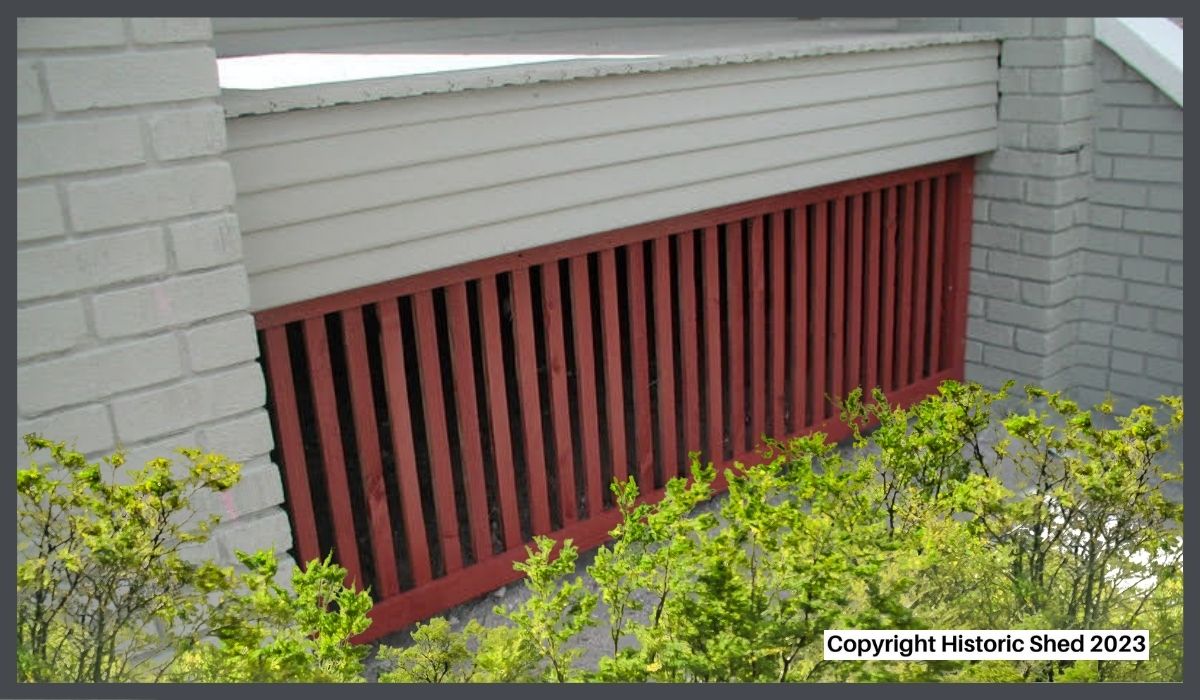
(430, 426)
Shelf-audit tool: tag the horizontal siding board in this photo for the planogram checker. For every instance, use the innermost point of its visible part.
(346, 154)
(397, 259)
(313, 241)
(459, 176)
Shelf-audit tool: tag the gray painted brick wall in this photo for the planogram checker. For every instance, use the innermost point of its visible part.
(132, 321)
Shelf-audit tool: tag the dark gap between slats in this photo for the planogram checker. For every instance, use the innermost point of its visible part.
(513, 400)
(491, 484)
(543, 367)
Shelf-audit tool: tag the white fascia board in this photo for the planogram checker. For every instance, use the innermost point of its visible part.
(1153, 46)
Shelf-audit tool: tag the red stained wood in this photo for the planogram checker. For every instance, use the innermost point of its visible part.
(428, 358)
(871, 329)
(819, 294)
(458, 321)
(531, 405)
(291, 444)
(639, 347)
(938, 263)
(890, 299)
(560, 405)
(585, 377)
(908, 246)
(689, 346)
(735, 345)
(758, 333)
(837, 310)
(334, 463)
(800, 330)
(778, 383)
(497, 404)
(362, 401)
(854, 300)
(396, 385)
(921, 280)
(958, 279)
(614, 385)
(664, 355)
(715, 424)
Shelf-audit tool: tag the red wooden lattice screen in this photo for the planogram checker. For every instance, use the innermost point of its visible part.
(430, 426)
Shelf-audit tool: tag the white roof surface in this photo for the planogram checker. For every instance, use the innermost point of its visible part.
(282, 82)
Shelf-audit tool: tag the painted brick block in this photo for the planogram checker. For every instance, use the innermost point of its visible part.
(1134, 316)
(1095, 310)
(999, 186)
(993, 378)
(1101, 264)
(1123, 361)
(1095, 333)
(975, 305)
(131, 78)
(87, 376)
(150, 196)
(990, 333)
(267, 529)
(1020, 162)
(1119, 194)
(60, 147)
(1103, 168)
(1074, 79)
(86, 429)
(1062, 26)
(1142, 270)
(1030, 267)
(1014, 80)
(183, 405)
(1091, 355)
(1053, 245)
(999, 237)
(1034, 217)
(973, 351)
(1153, 221)
(177, 301)
(1105, 216)
(1091, 383)
(1123, 142)
(1013, 361)
(1146, 342)
(39, 213)
(1112, 92)
(52, 327)
(1168, 145)
(1137, 385)
(1102, 288)
(1175, 276)
(259, 490)
(89, 263)
(1018, 314)
(1043, 294)
(29, 92)
(156, 30)
(1166, 197)
(1114, 242)
(69, 32)
(242, 438)
(1168, 321)
(1164, 119)
(188, 133)
(1045, 108)
(1148, 169)
(995, 286)
(1004, 26)
(206, 242)
(1013, 135)
(1166, 370)
(1046, 53)
(1060, 137)
(1040, 343)
(222, 344)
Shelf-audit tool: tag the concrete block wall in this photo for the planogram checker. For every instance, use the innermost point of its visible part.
(132, 321)
(1131, 288)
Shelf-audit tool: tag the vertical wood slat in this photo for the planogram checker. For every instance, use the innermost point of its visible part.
(689, 346)
(777, 233)
(817, 295)
(713, 356)
(525, 347)
(291, 443)
(437, 436)
(800, 334)
(938, 261)
(497, 402)
(362, 401)
(462, 369)
(958, 284)
(904, 328)
(396, 385)
(875, 232)
(334, 462)
(890, 298)
(921, 281)
(560, 404)
(758, 332)
(854, 301)
(639, 346)
(664, 355)
(837, 315)
(614, 385)
(736, 357)
(585, 377)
